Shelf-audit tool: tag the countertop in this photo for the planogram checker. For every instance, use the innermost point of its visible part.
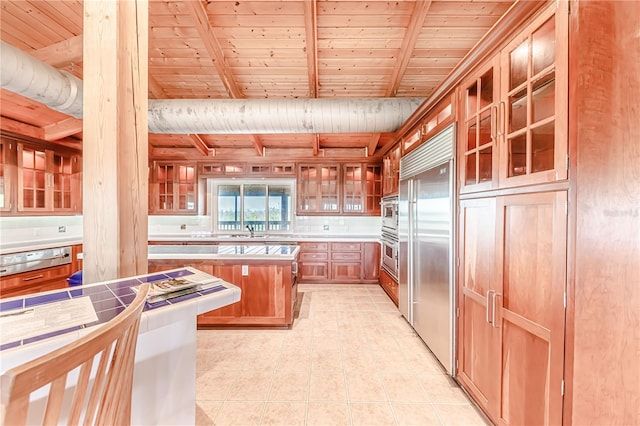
(196, 237)
(224, 252)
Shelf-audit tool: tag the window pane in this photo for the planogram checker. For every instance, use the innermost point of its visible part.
(544, 46)
(518, 155)
(280, 211)
(229, 207)
(486, 86)
(255, 204)
(543, 99)
(542, 148)
(519, 59)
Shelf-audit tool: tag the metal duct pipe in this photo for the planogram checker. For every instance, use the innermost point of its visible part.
(239, 116)
(30, 77)
(23, 74)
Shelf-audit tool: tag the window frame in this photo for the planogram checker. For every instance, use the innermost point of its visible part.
(212, 192)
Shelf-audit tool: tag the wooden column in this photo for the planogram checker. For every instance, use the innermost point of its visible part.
(115, 147)
(602, 365)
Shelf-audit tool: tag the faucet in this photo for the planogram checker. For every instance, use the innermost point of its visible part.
(251, 229)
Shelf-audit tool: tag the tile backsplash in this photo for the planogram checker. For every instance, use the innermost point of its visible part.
(36, 228)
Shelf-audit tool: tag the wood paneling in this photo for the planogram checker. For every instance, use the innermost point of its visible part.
(604, 134)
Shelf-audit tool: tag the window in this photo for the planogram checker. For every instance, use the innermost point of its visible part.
(264, 205)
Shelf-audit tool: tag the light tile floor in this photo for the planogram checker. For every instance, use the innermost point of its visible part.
(349, 359)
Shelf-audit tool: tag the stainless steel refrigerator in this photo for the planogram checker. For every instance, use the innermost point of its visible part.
(425, 231)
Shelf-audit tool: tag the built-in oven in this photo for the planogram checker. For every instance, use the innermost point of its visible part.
(390, 214)
(389, 253)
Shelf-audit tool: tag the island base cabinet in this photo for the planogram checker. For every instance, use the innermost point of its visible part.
(269, 292)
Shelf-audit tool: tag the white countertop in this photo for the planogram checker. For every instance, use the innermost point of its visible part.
(224, 252)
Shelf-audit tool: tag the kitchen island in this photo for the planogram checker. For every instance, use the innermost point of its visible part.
(266, 274)
(164, 373)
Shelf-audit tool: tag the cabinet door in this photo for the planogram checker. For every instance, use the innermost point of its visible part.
(7, 175)
(174, 189)
(533, 103)
(352, 189)
(318, 188)
(372, 189)
(478, 338)
(478, 139)
(33, 179)
(531, 269)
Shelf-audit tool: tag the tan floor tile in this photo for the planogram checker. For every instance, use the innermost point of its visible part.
(265, 361)
(284, 413)
(326, 361)
(328, 413)
(289, 386)
(251, 386)
(206, 412)
(458, 415)
(215, 385)
(415, 414)
(442, 389)
(404, 387)
(295, 360)
(327, 387)
(370, 414)
(365, 387)
(244, 413)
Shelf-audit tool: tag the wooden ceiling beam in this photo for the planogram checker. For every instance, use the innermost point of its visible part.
(62, 129)
(316, 145)
(311, 32)
(61, 54)
(373, 144)
(203, 26)
(201, 145)
(20, 128)
(208, 36)
(155, 89)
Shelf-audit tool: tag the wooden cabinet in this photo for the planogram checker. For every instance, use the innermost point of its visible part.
(391, 171)
(269, 293)
(533, 101)
(511, 300)
(350, 188)
(362, 188)
(390, 285)
(318, 188)
(36, 180)
(478, 138)
(173, 189)
(8, 175)
(35, 281)
(339, 262)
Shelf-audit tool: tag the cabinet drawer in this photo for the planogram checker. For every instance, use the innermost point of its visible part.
(34, 278)
(346, 246)
(349, 255)
(306, 257)
(313, 247)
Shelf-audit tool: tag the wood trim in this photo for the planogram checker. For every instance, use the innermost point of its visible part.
(201, 146)
(9, 125)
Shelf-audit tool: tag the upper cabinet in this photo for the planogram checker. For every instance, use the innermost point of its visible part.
(350, 188)
(533, 102)
(478, 135)
(513, 108)
(391, 170)
(36, 180)
(318, 188)
(173, 189)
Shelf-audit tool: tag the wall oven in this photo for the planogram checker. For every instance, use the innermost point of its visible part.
(389, 253)
(390, 215)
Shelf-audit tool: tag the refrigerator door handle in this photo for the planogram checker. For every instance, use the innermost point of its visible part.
(488, 302)
(493, 309)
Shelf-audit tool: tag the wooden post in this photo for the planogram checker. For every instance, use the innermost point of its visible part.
(115, 146)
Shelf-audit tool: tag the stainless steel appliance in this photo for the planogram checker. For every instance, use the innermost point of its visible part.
(390, 214)
(33, 260)
(389, 253)
(426, 212)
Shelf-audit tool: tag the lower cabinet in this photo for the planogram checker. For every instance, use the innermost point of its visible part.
(339, 262)
(269, 291)
(390, 285)
(511, 300)
(35, 281)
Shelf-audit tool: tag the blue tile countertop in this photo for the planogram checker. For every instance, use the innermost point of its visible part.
(111, 297)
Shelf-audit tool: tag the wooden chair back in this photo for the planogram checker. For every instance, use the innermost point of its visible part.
(102, 394)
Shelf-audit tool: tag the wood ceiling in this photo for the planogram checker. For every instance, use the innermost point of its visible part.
(259, 49)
